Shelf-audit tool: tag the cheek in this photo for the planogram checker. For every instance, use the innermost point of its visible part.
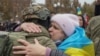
(81, 23)
(56, 35)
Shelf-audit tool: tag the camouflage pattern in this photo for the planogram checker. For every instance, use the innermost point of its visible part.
(4, 45)
(36, 11)
(93, 31)
(42, 37)
(32, 12)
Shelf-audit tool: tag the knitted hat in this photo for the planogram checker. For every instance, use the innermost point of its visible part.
(68, 22)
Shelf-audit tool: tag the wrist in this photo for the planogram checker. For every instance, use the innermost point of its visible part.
(18, 28)
(43, 52)
(47, 53)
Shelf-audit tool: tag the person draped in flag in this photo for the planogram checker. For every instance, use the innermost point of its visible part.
(67, 35)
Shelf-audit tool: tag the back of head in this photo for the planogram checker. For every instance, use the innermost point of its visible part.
(37, 14)
(68, 22)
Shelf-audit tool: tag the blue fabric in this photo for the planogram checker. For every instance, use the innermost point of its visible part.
(77, 40)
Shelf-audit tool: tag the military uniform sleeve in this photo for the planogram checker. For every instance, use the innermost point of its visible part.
(47, 42)
(93, 32)
(89, 27)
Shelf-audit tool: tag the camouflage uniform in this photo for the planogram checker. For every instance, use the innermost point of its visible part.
(93, 31)
(31, 14)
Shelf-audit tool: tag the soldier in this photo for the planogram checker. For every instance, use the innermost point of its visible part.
(93, 31)
(36, 14)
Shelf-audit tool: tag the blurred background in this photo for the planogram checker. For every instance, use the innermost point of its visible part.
(11, 9)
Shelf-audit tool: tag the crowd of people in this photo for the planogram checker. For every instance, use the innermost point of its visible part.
(69, 34)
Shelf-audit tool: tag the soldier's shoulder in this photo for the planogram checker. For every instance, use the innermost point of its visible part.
(94, 19)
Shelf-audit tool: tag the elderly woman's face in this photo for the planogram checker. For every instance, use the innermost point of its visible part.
(56, 32)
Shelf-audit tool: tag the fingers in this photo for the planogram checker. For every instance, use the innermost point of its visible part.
(24, 42)
(19, 52)
(31, 27)
(36, 41)
(19, 48)
(26, 55)
(35, 28)
(27, 29)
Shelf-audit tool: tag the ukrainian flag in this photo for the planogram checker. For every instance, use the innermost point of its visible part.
(79, 12)
(78, 44)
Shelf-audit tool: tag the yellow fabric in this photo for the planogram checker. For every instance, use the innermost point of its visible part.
(90, 49)
(77, 52)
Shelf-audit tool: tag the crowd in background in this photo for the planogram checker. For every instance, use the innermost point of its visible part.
(92, 31)
(9, 25)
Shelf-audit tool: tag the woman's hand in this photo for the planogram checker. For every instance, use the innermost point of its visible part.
(30, 49)
(30, 27)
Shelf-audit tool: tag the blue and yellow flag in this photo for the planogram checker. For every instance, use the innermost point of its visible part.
(79, 12)
(78, 44)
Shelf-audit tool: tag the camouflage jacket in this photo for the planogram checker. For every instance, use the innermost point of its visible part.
(93, 31)
(42, 37)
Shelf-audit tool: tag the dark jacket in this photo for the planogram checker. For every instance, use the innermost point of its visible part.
(97, 10)
(93, 31)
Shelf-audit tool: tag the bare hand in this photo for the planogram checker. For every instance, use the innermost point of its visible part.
(30, 49)
(30, 27)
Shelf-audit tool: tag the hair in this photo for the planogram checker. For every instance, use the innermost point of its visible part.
(84, 22)
(45, 23)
